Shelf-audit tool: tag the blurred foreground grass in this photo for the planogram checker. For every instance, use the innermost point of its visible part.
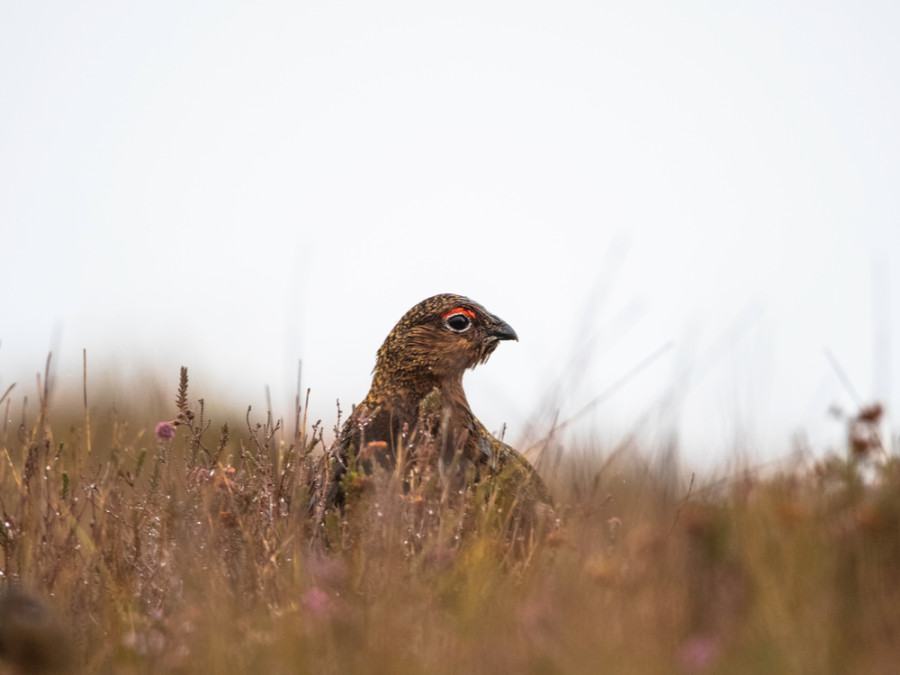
(195, 554)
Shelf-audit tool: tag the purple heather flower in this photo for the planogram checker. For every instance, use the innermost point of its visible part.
(317, 601)
(165, 431)
(698, 652)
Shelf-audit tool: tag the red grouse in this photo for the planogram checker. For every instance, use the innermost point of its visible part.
(417, 393)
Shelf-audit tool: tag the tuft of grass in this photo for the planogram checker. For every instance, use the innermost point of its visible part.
(130, 547)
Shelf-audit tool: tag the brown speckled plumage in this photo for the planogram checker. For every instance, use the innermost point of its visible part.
(417, 383)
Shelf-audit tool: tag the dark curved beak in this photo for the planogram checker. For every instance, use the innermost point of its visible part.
(502, 330)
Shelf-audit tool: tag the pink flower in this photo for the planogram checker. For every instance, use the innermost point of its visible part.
(698, 652)
(317, 601)
(165, 431)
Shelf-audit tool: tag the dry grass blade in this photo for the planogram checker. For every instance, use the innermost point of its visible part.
(151, 555)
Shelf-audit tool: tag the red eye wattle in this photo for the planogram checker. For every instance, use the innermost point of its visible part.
(459, 310)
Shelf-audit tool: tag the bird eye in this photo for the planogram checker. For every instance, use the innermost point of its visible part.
(458, 323)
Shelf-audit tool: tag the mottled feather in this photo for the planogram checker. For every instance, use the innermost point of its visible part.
(417, 382)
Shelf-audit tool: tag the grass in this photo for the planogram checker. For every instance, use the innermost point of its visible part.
(123, 550)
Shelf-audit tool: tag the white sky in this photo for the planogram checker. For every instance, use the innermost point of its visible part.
(235, 186)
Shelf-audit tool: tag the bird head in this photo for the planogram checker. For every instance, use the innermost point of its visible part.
(442, 336)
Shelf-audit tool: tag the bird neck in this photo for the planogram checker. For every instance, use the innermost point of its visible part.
(407, 388)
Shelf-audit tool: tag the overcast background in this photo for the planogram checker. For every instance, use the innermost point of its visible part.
(236, 186)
